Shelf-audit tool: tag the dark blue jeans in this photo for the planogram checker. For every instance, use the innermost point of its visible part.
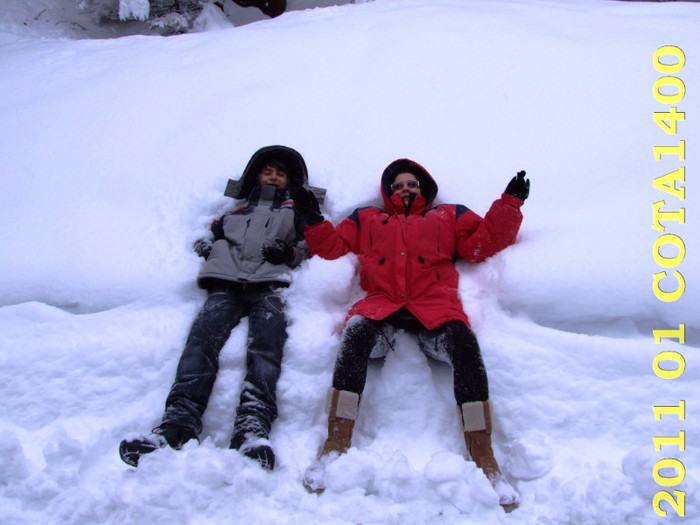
(199, 363)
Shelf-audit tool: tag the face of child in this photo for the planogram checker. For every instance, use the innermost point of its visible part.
(271, 176)
(404, 184)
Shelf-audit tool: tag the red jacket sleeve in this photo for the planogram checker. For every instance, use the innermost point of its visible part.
(479, 239)
(331, 242)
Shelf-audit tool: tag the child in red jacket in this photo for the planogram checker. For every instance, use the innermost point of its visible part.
(407, 253)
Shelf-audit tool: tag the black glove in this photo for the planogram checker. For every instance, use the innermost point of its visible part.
(519, 186)
(278, 253)
(305, 201)
(202, 247)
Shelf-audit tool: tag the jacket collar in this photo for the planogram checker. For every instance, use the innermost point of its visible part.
(267, 195)
(416, 205)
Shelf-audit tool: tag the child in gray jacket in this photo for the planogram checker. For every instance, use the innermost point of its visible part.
(254, 249)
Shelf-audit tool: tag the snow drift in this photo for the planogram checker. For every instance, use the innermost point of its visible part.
(116, 152)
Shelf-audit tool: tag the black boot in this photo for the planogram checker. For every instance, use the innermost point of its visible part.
(255, 447)
(130, 450)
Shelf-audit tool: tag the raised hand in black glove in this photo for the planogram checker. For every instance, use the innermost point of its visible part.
(519, 186)
(202, 247)
(305, 201)
(278, 253)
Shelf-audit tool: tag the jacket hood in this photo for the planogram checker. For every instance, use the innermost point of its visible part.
(428, 186)
(298, 174)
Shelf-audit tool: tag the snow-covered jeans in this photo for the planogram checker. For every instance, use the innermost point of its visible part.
(199, 363)
(453, 342)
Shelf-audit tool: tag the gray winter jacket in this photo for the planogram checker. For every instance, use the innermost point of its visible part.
(239, 236)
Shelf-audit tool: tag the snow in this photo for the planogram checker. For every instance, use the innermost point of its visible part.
(134, 9)
(116, 148)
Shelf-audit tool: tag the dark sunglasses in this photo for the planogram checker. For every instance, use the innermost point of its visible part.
(411, 184)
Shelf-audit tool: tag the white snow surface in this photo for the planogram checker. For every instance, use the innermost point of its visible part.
(116, 148)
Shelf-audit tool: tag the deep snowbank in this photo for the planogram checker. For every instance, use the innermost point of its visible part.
(116, 153)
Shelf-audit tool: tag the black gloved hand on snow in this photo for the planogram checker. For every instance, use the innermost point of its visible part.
(202, 247)
(305, 201)
(278, 253)
(519, 186)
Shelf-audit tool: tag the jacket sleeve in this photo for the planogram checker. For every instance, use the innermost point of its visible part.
(301, 249)
(480, 238)
(331, 242)
(301, 252)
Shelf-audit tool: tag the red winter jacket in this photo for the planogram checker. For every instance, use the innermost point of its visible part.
(407, 257)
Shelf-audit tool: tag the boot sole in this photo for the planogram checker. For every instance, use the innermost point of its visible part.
(510, 507)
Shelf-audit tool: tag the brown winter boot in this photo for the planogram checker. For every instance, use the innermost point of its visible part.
(476, 422)
(342, 407)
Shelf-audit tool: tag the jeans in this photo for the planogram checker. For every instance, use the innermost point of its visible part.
(199, 363)
(453, 342)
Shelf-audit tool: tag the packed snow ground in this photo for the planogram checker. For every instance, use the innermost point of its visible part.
(115, 153)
